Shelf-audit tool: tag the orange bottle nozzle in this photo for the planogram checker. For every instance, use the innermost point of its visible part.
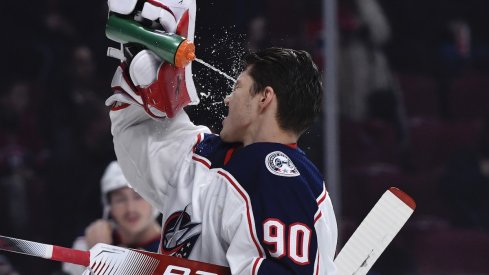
(185, 53)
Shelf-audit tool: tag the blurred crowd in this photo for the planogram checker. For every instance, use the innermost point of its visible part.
(414, 98)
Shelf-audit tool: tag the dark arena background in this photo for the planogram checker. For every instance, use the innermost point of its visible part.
(413, 112)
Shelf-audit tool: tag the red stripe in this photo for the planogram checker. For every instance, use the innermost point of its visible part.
(317, 265)
(158, 4)
(318, 217)
(201, 161)
(120, 107)
(118, 89)
(229, 153)
(170, 252)
(199, 139)
(96, 267)
(69, 255)
(183, 24)
(103, 265)
(322, 198)
(247, 212)
(255, 265)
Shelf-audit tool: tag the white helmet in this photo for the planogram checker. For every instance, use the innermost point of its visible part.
(112, 179)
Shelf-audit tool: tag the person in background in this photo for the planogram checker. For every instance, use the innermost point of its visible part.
(362, 65)
(6, 268)
(128, 220)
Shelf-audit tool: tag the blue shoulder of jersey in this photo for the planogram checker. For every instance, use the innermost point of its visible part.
(277, 176)
(214, 149)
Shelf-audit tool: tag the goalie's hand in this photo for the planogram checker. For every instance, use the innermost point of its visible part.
(129, 82)
(100, 231)
(143, 78)
(163, 12)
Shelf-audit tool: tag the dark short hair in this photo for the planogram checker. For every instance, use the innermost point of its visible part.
(296, 81)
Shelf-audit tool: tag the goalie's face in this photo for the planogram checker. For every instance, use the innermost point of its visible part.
(130, 211)
(242, 111)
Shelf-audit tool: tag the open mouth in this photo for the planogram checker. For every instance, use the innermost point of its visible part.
(132, 219)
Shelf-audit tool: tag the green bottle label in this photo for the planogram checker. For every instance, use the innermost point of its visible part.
(163, 44)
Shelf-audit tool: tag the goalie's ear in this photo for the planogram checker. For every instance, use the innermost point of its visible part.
(122, 6)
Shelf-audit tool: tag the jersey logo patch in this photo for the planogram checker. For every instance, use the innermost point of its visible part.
(180, 234)
(280, 164)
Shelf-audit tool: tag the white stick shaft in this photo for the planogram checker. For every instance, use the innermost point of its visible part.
(26, 247)
(375, 233)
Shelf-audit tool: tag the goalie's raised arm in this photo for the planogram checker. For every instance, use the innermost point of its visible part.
(147, 87)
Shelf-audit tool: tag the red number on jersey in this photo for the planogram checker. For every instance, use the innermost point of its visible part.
(297, 242)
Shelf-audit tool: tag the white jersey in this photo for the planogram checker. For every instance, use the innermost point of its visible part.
(260, 209)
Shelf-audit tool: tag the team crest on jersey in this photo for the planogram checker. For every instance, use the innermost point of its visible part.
(180, 234)
(280, 164)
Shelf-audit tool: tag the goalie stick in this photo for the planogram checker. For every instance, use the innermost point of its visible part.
(358, 255)
(374, 234)
(112, 260)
